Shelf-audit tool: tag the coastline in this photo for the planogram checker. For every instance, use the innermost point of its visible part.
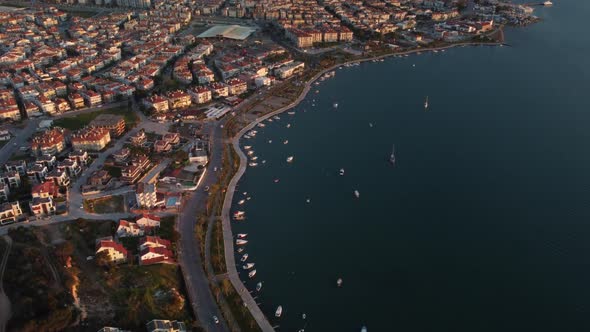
(228, 237)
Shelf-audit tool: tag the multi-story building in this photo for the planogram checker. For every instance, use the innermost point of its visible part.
(50, 142)
(11, 178)
(4, 192)
(146, 195)
(200, 94)
(91, 139)
(115, 124)
(9, 212)
(157, 103)
(128, 229)
(178, 99)
(237, 86)
(162, 325)
(139, 138)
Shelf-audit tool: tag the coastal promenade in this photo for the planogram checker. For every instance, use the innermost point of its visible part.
(228, 237)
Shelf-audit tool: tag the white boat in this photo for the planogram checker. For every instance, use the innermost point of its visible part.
(276, 117)
(392, 156)
(279, 311)
(264, 161)
(341, 171)
(364, 329)
(254, 158)
(240, 250)
(248, 266)
(253, 164)
(261, 125)
(288, 125)
(251, 152)
(426, 103)
(370, 125)
(245, 193)
(269, 141)
(335, 105)
(241, 242)
(291, 113)
(290, 159)
(269, 120)
(242, 201)
(339, 282)
(357, 194)
(246, 136)
(244, 258)
(547, 3)
(242, 235)
(259, 286)
(248, 198)
(247, 147)
(252, 274)
(304, 316)
(276, 180)
(286, 141)
(240, 215)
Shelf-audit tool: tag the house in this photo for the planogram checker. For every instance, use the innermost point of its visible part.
(156, 255)
(42, 206)
(59, 177)
(47, 161)
(122, 155)
(37, 173)
(148, 220)
(9, 212)
(236, 86)
(154, 242)
(45, 189)
(19, 166)
(200, 94)
(91, 139)
(80, 156)
(157, 103)
(146, 195)
(115, 251)
(161, 146)
(130, 174)
(161, 325)
(171, 138)
(71, 166)
(178, 99)
(4, 192)
(100, 178)
(115, 124)
(11, 178)
(128, 229)
(139, 138)
(219, 90)
(50, 142)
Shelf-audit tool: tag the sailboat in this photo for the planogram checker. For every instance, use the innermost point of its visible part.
(392, 157)
(426, 103)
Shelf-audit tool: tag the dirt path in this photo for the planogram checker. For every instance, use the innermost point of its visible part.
(5, 308)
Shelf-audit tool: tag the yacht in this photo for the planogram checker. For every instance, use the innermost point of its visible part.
(339, 282)
(248, 266)
(242, 235)
(286, 141)
(242, 201)
(279, 311)
(253, 164)
(290, 159)
(241, 242)
(244, 258)
(341, 171)
(252, 274)
(357, 194)
(259, 286)
(426, 103)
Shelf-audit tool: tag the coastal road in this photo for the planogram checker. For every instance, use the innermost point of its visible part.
(5, 310)
(200, 295)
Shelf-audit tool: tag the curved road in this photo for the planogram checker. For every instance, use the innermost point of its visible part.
(197, 283)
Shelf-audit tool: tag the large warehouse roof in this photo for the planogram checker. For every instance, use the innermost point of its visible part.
(228, 31)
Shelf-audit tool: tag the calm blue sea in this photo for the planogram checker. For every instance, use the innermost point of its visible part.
(482, 225)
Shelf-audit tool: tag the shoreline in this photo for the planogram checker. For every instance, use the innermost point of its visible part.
(228, 237)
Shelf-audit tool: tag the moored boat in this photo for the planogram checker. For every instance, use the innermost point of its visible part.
(239, 215)
(290, 159)
(242, 201)
(252, 274)
(248, 266)
(341, 171)
(252, 164)
(242, 235)
(357, 194)
(259, 286)
(244, 257)
(279, 311)
(241, 242)
(339, 282)
(286, 141)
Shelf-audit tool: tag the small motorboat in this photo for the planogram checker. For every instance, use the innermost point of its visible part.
(288, 125)
(291, 113)
(242, 202)
(259, 286)
(276, 180)
(357, 194)
(248, 266)
(276, 117)
(261, 125)
(264, 161)
(245, 193)
(290, 159)
(335, 105)
(239, 215)
(248, 198)
(364, 329)
(269, 141)
(304, 316)
(308, 200)
(242, 235)
(247, 147)
(286, 141)
(370, 125)
(341, 171)
(252, 274)
(251, 152)
(244, 258)
(339, 282)
(240, 250)
(254, 158)
(241, 242)
(252, 164)
(279, 311)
